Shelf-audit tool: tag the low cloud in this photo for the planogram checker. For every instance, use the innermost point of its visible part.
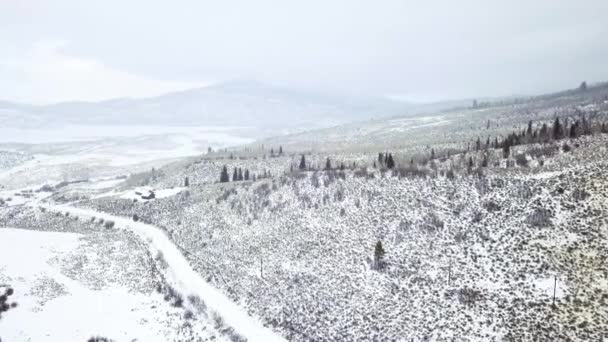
(47, 74)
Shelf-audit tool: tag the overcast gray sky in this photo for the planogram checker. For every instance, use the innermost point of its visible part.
(422, 50)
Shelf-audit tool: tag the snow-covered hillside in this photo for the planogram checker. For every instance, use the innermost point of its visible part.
(467, 258)
(477, 224)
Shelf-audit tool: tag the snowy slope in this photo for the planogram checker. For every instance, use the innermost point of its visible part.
(182, 277)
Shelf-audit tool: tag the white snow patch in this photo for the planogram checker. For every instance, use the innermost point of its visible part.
(74, 314)
(546, 285)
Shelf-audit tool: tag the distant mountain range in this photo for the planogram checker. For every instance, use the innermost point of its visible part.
(243, 103)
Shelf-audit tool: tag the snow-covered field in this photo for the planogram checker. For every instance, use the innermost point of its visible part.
(61, 308)
(72, 286)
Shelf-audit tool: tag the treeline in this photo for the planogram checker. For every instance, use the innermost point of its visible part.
(582, 88)
(557, 131)
(239, 175)
(272, 153)
(303, 165)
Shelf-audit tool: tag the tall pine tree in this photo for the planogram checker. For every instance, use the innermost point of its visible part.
(379, 253)
(224, 178)
(302, 163)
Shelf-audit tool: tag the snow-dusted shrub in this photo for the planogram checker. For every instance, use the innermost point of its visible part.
(468, 296)
(109, 224)
(543, 151)
(224, 196)
(580, 195)
(460, 236)
(262, 190)
(179, 301)
(4, 304)
(540, 217)
(521, 160)
(160, 258)
(99, 339)
(432, 223)
(339, 195)
(363, 173)
(198, 303)
(491, 206)
(314, 179)
(411, 172)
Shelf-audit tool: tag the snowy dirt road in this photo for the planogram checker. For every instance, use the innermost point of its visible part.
(182, 277)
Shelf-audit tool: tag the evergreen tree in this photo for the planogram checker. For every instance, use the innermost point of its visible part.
(379, 255)
(432, 153)
(506, 149)
(280, 150)
(342, 166)
(390, 163)
(471, 163)
(478, 144)
(186, 182)
(327, 164)
(235, 175)
(484, 162)
(488, 143)
(573, 130)
(586, 127)
(302, 163)
(529, 131)
(380, 158)
(583, 86)
(254, 178)
(544, 133)
(557, 129)
(271, 152)
(240, 175)
(224, 178)
(246, 174)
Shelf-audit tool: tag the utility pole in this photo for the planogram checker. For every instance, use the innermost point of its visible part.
(450, 272)
(261, 268)
(554, 287)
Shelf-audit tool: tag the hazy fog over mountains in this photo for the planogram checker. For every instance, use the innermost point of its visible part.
(233, 103)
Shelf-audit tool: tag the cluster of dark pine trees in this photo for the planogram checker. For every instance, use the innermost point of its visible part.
(544, 134)
(280, 153)
(237, 175)
(303, 165)
(385, 160)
